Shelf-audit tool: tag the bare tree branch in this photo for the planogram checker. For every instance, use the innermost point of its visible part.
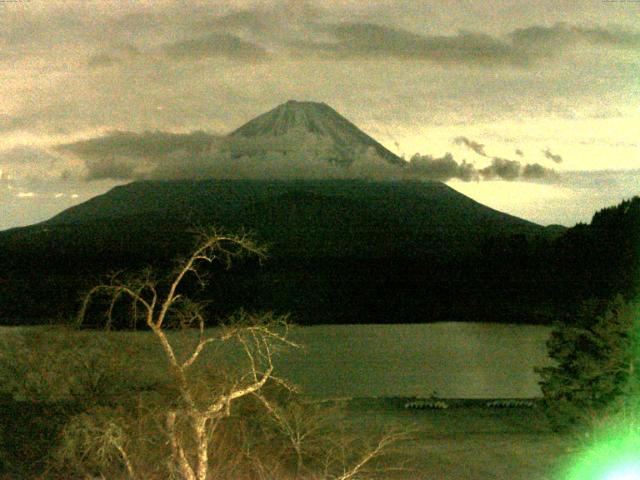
(380, 449)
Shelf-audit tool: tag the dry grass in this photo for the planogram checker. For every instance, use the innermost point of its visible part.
(469, 442)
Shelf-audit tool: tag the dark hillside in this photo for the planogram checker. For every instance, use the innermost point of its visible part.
(604, 256)
(335, 217)
(341, 250)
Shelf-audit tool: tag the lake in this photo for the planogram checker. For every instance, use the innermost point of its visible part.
(454, 359)
(450, 360)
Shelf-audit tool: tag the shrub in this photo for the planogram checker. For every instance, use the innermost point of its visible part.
(509, 403)
(423, 404)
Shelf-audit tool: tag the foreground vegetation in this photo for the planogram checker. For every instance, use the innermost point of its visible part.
(458, 443)
(187, 415)
(593, 390)
(597, 368)
(232, 418)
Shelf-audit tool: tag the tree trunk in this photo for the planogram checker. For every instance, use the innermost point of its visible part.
(203, 446)
(178, 451)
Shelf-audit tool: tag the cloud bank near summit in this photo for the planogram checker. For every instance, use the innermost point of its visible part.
(169, 156)
(446, 168)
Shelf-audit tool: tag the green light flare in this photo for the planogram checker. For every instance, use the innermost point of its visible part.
(615, 458)
(614, 451)
(625, 472)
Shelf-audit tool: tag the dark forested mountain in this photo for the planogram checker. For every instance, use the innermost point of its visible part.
(604, 257)
(346, 236)
(340, 250)
(303, 218)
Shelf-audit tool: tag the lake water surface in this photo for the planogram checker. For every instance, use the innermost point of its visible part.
(454, 360)
(450, 360)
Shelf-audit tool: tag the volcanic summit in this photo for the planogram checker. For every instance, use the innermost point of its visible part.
(321, 121)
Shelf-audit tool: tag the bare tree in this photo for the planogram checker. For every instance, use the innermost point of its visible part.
(191, 423)
(259, 338)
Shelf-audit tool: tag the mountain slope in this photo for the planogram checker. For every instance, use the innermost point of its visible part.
(371, 218)
(340, 251)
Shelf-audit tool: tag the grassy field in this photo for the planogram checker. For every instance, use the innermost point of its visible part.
(375, 369)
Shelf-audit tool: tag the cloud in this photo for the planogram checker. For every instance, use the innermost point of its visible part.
(447, 168)
(521, 47)
(547, 41)
(101, 60)
(280, 20)
(372, 40)
(552, 156)
(146, 145)
(241, 33)
(215, 45)
(117, 54)
(255, 20)
(30, 164)
(502, 168)
(511, 170)
(50, 116)
(535, 171)
(442, 169)
(126, 155)
(161, 156)
(9, 123)
(297, 154)
(23, 154)
(506, 169)
(475, 146)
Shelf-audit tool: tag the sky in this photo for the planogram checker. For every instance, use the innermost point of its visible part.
(532, 108)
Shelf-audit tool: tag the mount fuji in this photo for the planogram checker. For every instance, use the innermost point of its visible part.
(349, 238)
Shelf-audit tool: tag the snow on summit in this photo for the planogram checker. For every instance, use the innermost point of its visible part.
(321, 121)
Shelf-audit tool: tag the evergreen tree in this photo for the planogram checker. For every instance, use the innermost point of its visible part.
(597, 365)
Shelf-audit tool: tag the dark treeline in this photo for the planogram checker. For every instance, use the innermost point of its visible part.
(515, 278)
